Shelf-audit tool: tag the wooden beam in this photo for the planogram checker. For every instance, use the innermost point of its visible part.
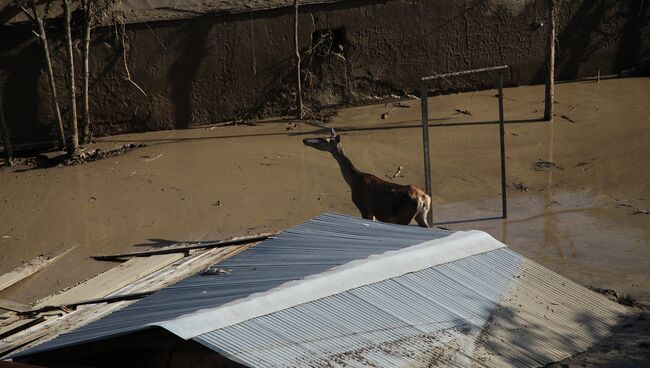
(12, 306)
(28, 269)
(186, 249)
(20, 325)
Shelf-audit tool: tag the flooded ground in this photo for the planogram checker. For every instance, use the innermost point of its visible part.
(586, 217)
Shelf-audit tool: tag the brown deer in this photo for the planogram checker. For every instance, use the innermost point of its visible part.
(376, 198)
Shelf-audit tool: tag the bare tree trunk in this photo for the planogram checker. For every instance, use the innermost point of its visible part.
(297, 48)
(5, 132)
(73, 143)
(85, 132)
(550, 63)
(50, 73)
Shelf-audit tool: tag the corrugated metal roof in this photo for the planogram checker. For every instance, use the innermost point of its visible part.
(489, 308)
(494, 309)
(398, 320)
(316, 246)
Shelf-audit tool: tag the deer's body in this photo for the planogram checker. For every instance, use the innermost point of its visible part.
(375, 197)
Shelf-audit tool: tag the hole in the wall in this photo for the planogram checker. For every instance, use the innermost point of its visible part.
(328, 41)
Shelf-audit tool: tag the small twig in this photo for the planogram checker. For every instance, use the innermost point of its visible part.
(156, 36)
(22, 8)
(567, 118)
(397, 173)
(153, 158)
(128, 79)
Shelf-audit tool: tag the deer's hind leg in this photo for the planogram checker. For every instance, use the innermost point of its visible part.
(405, 214)
(421, 218)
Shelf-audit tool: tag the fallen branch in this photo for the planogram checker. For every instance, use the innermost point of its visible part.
(186, 249)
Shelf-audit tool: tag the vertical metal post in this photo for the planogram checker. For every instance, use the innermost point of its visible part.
(424, 103)
(504, 202)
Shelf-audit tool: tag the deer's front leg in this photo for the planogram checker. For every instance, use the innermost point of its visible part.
(363, 208)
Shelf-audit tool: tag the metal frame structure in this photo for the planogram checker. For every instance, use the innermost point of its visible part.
(425, 130)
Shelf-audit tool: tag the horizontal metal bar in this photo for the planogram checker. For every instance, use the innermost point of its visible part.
(464, 72)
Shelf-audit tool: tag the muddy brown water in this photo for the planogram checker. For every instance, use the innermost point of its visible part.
(583, 219)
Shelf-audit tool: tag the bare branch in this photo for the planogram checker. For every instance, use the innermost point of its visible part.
(22, 8)
(126, 66)
(47, 10)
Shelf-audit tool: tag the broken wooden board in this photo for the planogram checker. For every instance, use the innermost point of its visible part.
(12, 306)
(21, 324)
(110, 281)
(28, 269)
(164, 277)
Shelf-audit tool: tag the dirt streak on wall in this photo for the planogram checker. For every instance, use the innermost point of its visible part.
(210, 69)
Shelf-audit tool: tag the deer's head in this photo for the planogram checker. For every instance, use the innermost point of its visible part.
(328, 144)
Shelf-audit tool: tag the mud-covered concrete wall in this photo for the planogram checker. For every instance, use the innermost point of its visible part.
(212, 69)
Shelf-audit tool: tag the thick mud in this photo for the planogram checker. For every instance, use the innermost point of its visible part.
(582, 212)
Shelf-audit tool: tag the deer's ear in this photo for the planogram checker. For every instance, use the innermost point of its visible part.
(337, 138)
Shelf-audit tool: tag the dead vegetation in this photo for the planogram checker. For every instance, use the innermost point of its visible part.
(518, 186)
(542, 165)
(623, 299)
(99, 154)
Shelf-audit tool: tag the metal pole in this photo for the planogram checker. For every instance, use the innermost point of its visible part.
(464, 72)
(504, 202)
(424, 103)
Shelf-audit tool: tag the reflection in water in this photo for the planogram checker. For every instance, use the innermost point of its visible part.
(550, 221)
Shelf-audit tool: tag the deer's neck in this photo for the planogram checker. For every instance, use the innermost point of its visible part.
(350, 173)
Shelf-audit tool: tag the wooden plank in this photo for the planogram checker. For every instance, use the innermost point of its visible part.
(20, 343)
(28, 269)
(164, 277)
(111, 280)
(20, 325)
(185, 249)
(12, 306)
